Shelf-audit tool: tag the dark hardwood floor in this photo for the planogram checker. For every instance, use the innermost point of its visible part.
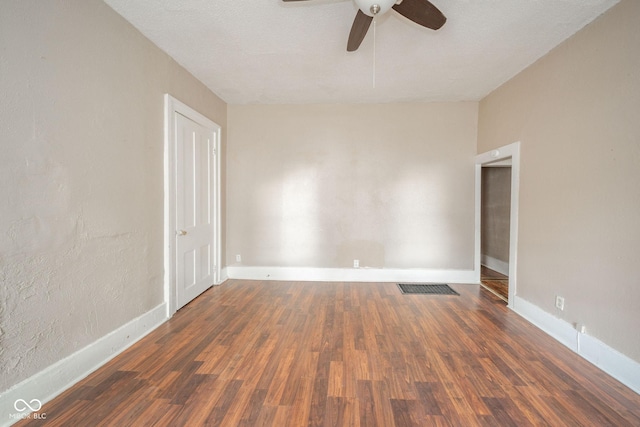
(251, 353)
(495, 282)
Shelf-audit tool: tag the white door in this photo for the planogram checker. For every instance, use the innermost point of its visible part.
(195, 250)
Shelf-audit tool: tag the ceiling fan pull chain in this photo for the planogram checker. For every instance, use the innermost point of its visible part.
(374, 52)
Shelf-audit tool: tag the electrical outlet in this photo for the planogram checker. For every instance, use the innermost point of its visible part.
(356, 263)
(559, 303)
(238, 258)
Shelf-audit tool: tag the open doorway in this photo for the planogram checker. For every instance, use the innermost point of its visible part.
(498, 165)
(495, 210)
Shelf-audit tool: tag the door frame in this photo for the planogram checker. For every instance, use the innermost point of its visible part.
(502, 154)
(172, 106)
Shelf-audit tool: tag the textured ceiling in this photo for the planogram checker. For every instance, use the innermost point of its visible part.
(267, 51)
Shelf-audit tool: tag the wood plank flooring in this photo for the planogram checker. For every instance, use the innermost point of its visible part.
(250, 353)
(495, 282)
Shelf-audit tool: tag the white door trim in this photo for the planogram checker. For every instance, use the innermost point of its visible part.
(511, 151)
(172, 107)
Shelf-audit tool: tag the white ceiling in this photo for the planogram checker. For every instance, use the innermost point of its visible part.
(270, 52)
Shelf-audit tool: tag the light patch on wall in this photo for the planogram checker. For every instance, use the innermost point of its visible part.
(419, 194)
(299, 226)
(290, 204)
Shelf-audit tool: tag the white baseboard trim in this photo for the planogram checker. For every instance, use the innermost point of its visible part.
(611, 361)
(50, 382)
(351, 274)
(224, 275)
(495, 264)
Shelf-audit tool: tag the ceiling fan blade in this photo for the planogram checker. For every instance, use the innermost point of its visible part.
(421, 12)
(358, 30)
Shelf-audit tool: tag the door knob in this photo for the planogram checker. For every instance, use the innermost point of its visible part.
(182, 233)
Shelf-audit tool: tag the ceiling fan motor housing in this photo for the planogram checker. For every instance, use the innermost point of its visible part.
(375, 7)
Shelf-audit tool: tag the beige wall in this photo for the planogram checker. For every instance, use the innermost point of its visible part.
(495, 212)
(576, 113)
(391, 185)
(81, 176)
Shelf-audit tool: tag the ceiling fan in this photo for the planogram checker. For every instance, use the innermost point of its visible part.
(421, 12)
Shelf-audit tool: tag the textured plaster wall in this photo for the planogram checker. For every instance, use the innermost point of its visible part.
(576, 113)
(81, 176)
(391, 185)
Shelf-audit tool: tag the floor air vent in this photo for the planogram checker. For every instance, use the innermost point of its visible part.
(430, 289)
